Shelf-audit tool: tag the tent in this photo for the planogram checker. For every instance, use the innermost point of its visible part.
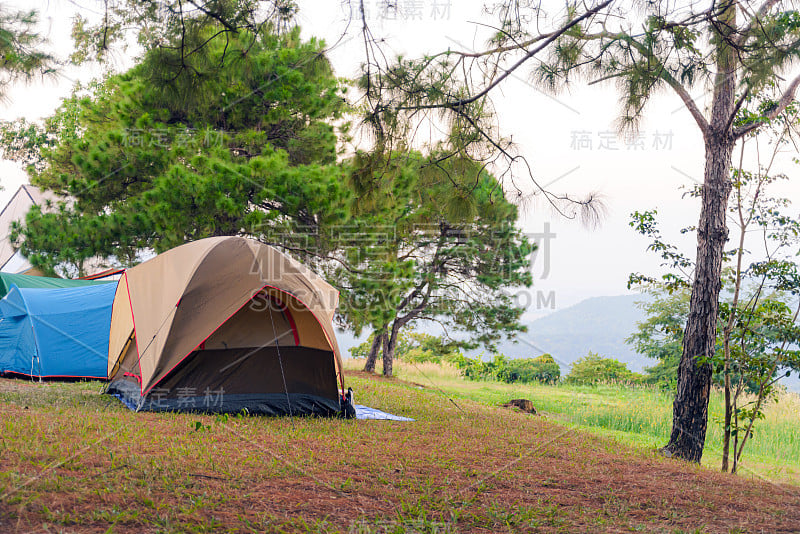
(8, 280)
(15, 210)
(225, 324)
(56, 333)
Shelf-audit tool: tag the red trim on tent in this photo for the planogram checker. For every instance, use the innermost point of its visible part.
(102, 274)
(135, 338)
(285, 310)
(134, 375)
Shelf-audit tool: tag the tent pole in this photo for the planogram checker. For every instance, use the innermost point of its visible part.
(280, 362)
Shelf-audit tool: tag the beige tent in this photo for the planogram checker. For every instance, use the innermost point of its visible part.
(225, 324)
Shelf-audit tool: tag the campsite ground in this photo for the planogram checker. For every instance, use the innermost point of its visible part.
(72, 460)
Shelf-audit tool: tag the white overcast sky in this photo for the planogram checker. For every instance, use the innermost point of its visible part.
(584, 262)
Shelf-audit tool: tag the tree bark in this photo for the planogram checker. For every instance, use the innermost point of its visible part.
(690, 409)
(389, 343)
(377, 343)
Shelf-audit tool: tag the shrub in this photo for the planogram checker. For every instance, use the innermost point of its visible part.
(478, 369)
(542, 369)
(594, 368)
(415, 347)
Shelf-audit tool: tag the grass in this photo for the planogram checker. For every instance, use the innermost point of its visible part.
(72, 460)
(639, 416)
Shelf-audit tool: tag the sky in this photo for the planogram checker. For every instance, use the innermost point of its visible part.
(568, 139)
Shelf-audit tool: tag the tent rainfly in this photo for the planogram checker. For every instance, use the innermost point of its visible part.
(56, 333)
(225, 324)
(8, 280)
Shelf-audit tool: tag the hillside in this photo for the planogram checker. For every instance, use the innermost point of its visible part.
(76, 461)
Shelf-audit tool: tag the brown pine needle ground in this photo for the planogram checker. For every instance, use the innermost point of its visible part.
(72, 460)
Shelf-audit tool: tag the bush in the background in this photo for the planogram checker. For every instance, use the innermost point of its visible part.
(424, 348)
(478, 369)
(542, 369)
(594, 368)
(415, 347)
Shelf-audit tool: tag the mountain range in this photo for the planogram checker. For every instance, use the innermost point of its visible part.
(597, 324)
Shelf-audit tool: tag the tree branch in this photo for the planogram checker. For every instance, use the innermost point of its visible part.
(553, 36)
(664, 74)
(216, 16)
(783, 102)
(744, 33)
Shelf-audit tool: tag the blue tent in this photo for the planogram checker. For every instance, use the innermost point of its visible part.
(52, 333)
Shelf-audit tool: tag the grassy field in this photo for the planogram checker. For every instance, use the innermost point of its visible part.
(639, 416)
(73, 460)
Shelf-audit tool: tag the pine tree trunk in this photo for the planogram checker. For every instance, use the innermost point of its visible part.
(690, 409)
(377, 342)
(388, 351)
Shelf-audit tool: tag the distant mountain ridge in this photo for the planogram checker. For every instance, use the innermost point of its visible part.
(597, 324)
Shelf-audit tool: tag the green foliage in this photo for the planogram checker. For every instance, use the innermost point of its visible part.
(232, 139)
(594, 369)
(480, 369)
(21, 49)
(432, 238)
(415, 347)
(542, 369)
(159, 23)
(660, 335)
(660, 48)
(645, 223)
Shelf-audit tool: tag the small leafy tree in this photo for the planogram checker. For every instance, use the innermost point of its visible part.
(766, 334)
(593, 369)
(660, 335)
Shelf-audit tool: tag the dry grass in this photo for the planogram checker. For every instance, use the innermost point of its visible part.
(75, 461)
(639, 416)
